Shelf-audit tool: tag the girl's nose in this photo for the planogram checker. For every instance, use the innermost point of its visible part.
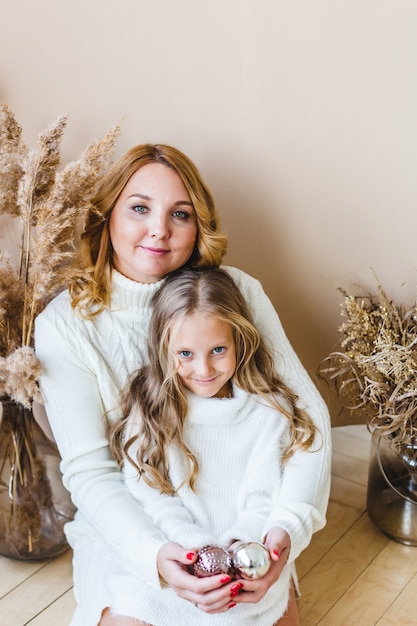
(203, 367)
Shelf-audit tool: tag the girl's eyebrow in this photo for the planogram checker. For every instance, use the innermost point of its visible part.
(145, 197)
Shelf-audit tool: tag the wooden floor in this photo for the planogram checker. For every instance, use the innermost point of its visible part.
(351, 574)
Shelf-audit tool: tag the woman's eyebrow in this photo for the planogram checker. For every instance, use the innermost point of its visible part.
(145, 197)
(140, 195)
(187, 202)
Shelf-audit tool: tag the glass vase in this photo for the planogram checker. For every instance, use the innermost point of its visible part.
(34, 505)
(392, 490)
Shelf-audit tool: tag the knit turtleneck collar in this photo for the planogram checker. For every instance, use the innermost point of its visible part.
(127, 293)
(218, 411)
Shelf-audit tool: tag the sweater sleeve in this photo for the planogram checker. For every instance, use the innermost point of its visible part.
(168, 513)
(294, 508)
(306, 477)
(260, 481)
(74, 405)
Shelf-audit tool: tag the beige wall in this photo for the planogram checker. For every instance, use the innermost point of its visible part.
(301, 115)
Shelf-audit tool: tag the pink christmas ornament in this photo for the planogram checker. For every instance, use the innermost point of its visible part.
(212, 560)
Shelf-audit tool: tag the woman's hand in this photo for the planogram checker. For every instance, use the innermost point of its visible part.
(278, 543)
(214, 594)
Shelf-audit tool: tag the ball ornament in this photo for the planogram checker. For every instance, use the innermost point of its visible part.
(212, 560)
(251, 560)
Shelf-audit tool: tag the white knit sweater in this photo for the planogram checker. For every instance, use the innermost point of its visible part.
(238, 443)
(85, 366)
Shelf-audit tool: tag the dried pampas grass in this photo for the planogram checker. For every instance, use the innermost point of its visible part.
(375, 368)
(51, 207)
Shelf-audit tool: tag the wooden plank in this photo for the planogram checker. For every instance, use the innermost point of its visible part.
(28, 599)
(373, 592)
(341, 565)
(351, 444)
(339, 519)
(403, 610)
(13, 573)
(345, 466)
(58, 613)
(358, 430)
(347, 493)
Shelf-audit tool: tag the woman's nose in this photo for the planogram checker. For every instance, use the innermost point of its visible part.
(159, 227)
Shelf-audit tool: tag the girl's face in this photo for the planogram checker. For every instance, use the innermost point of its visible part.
(205, 350)
(153, 225)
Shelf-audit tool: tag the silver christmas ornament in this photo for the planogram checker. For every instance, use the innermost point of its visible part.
(212, 560)
(251, 560)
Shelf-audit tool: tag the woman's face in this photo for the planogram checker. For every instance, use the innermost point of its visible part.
(153, 225)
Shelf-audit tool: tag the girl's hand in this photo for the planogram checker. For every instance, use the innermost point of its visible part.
(214, 594)
(278, 543)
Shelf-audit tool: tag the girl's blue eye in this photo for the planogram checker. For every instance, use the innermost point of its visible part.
(219, 350)
(185, 353)
(139, 208)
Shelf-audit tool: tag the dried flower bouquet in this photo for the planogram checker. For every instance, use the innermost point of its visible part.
(50, 206)
(375, 369)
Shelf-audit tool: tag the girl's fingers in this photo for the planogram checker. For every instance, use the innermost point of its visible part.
(253, 590)
(218, 600)
(213, 594)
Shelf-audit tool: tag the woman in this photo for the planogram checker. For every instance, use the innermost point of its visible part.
(152, 215)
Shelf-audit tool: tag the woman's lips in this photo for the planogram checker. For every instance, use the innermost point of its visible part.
(155, 251)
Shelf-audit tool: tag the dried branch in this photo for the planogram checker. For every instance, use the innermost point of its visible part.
(375, 366)
(12, 152)
(51, 206)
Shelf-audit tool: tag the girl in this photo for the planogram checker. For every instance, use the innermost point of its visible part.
(207, 429)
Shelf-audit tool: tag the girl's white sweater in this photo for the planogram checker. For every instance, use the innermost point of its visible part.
(238, 495)
(86, 364)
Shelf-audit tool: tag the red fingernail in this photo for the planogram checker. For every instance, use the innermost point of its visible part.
(234, 590)
(231, 605)
(225, 579)
(190, 556)
(277, 554)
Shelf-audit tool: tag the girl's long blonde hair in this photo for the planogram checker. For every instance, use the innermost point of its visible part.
(157, 394)
(90, 287)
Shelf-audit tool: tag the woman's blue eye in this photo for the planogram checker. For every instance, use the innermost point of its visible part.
(139, 208)
(219, 350)
(185, 353)
(183, 215)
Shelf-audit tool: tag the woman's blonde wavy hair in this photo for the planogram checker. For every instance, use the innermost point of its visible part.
(157, 394)
(90, 286)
